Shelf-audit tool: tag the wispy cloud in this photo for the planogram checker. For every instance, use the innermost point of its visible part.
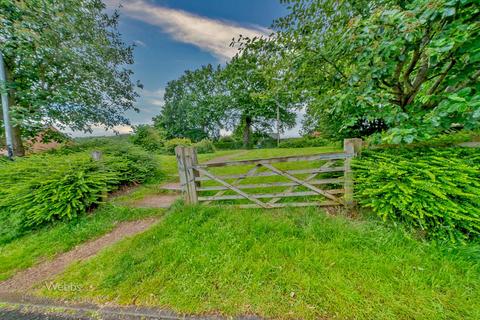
(140, 43)
(211, 35)
(154, 97)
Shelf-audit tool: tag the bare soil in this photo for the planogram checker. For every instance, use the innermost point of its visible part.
(156, 201)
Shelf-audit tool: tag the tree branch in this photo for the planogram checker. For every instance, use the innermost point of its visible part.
(417, 54)
(419, 80)
(442, 77)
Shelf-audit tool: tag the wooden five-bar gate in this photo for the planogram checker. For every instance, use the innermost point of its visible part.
(196, 178)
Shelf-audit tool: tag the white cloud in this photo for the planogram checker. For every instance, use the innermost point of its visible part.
(140, 43)
(153, 97)
(207, 34)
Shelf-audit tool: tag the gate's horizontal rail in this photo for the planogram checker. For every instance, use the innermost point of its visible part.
(270, 174)
(272, 184)
(271, 195)
(321, 156)
(293, 204)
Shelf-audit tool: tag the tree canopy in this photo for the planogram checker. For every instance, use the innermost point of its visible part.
(66, 65)
(240, 95)
(405, 70)
(193, 105)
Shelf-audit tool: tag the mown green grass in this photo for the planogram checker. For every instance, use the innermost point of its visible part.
(46, 242)
(288, 263)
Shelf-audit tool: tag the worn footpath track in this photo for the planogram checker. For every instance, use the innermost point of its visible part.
(26, 279)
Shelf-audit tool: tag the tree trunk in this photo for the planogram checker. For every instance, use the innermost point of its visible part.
(247, 132)
(18, 149)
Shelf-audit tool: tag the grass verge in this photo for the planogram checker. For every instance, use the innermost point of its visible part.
(283, 264)
(60, 237)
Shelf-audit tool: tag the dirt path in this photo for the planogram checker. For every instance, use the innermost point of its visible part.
(26, 279)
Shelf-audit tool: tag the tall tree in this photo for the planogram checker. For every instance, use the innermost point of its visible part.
(406, 68)
(255, 93)
(193, 105)
(67, 65)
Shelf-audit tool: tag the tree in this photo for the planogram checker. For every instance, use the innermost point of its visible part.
(193, 108)
(67, 65)
(254, 91)
(406, 68)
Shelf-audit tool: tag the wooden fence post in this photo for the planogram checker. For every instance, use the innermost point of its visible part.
(180, 154)
(186, 159)
(352, 147)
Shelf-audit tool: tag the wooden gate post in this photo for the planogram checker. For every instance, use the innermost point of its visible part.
(186, 160)
(351, 147)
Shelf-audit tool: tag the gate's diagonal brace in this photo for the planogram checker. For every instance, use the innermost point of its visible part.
(231, 187)
(310, 177)
(303, 183)
(248, 174)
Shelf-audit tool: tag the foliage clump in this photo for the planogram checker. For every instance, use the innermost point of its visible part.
(304, 142)
(436, 190)
(172, 143)
(148, 137)
(205, 146)
(63, 185)
(228, 143)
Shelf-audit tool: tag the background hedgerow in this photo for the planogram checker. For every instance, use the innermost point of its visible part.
(304, 142)
(434, 189)
(228, 143)
(170, 145)
(44, 188)
(205, 146)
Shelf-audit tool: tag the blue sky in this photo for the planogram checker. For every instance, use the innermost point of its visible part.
(177, 35)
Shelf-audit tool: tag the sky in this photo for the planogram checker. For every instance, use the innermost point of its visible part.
(172, 36)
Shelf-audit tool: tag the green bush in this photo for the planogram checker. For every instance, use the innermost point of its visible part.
(266, 143)
(228, 143)
(304, 142)
(436, 190)
(44, 188)
(170, 145)
(148, 137)
(448, 139)
(205, 146)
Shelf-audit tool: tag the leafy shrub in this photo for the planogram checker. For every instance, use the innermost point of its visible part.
(448, 139)
(131, 164)
(304, 142)
(170, 145)
(148, 137)
(436, 190)
(205, 146)
(228, 143)
(40, 189)
(265, 143)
